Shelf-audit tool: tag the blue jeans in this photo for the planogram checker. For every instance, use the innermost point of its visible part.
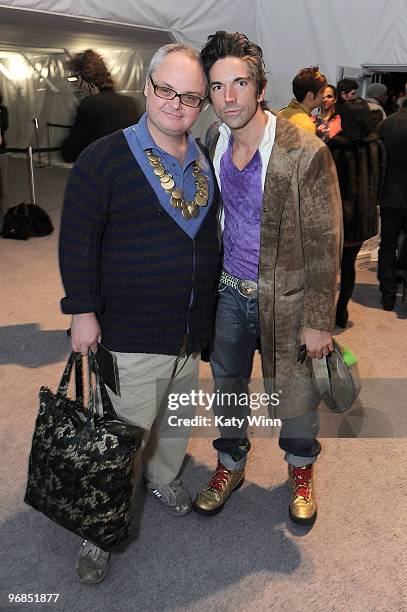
(237, 335)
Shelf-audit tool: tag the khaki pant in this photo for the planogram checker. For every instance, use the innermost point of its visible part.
(145, 382)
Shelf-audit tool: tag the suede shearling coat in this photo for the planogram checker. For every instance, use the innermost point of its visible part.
(300, 249)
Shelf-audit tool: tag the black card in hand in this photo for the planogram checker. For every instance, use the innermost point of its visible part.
(108, 369)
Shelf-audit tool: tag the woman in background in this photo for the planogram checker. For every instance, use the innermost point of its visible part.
(328, 121)
(359, 156)
(3, 161)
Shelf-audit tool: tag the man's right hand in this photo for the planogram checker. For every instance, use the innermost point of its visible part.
(85, 332)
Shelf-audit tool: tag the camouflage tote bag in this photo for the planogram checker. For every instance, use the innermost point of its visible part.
(81, 467)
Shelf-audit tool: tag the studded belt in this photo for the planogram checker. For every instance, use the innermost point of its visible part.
(248, 288)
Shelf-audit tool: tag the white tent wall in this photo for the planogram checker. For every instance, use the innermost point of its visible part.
(293, 34)
(29, 97)
(329, 33)
(189, 20)
(46, 94)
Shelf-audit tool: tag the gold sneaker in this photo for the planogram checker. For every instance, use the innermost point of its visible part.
(303, 505)
(211, 499)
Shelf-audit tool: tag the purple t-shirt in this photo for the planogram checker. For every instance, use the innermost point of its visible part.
(242, 195)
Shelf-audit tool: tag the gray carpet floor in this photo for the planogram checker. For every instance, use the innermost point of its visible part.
(250, 556)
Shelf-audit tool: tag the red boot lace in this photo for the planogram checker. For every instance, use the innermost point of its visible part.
(302, 479)
(220, 478)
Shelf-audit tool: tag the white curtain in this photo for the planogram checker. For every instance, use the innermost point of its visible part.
(43, 92)
(296, 34)
(189, 20)
(293, 34)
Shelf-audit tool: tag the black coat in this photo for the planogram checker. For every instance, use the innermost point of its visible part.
(3, 127)
(99, 115)
(393, 132)
(360, 167)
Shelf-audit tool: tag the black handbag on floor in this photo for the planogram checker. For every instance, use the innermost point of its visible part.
(81, 468)
(24, 221)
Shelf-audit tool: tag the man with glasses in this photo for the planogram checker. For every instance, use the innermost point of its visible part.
(139, 259)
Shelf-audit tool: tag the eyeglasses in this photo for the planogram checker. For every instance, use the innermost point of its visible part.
(166, 93)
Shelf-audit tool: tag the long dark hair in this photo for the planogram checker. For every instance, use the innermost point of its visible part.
(334, 110)
(355, 119)
(345, 86)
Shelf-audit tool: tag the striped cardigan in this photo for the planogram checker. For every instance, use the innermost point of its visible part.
(124, 258)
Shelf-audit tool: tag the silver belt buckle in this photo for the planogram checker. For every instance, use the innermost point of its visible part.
(248, 288)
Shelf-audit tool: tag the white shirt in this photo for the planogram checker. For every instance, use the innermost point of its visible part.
(265, 148)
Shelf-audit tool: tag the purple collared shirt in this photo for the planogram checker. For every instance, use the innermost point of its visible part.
(242, 195)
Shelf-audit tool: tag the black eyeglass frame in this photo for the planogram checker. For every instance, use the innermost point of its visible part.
(80, 80)
(176, 95)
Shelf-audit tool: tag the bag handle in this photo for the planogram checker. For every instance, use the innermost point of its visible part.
(78, 378)
(66, 376)
(76, 358)
(107, 406)
(321, 373)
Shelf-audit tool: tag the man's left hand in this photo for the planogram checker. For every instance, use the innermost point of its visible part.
(318, 343)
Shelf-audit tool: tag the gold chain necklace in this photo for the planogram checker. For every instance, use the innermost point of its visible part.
(189, 210)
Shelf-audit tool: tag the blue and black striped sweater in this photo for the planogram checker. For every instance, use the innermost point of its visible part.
(124, 258)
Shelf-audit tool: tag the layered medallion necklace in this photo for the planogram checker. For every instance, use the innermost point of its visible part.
(189, 210)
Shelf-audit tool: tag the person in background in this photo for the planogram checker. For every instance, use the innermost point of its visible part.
(401, 270)
(391, 105)
(328, 121)
(359, 157)
(402, 97)
(393, 205)
(376, 97)
(3, 161)
(101, 112)
(346, 90)
(308, 87)
(139, 259)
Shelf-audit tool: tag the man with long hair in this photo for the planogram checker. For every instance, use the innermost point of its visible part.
(102, 111)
